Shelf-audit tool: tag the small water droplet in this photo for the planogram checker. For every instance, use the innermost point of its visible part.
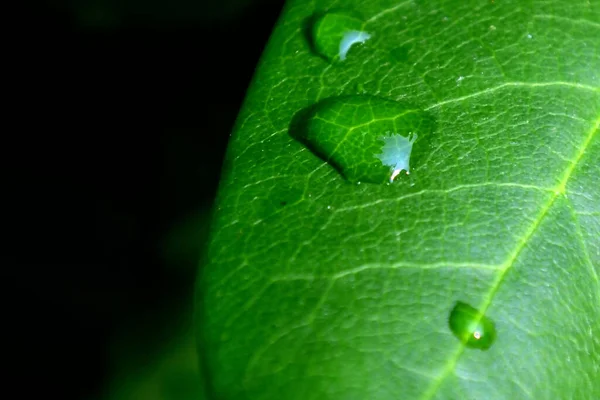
(471, 327)
(529, 36)
(334, 33)
(366, 138)
(492, 27)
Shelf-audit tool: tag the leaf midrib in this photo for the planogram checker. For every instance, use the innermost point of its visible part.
(559, 190)
(556, 192)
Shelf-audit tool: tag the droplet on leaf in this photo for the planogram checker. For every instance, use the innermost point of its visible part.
(366, 138)
(334, 33)
(471, 327)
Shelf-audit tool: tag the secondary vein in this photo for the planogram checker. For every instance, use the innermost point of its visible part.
(514, 255)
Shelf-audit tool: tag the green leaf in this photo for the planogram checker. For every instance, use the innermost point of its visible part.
(318, 288)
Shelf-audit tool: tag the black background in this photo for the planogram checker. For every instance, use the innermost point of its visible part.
(120, 125)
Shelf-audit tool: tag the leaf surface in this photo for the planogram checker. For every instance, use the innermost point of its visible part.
(318, 288)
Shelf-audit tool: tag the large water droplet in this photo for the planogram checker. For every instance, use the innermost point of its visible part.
(366, 138)
(334, 33)
(471, 327)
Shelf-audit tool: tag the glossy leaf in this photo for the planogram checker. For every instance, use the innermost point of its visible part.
(318, 288)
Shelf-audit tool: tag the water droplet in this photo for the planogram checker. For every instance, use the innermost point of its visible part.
(366, 138)
(492, 27)
(334, 33)
(529, 36)
(471, 327)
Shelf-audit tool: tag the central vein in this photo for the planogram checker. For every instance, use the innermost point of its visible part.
(513, 256)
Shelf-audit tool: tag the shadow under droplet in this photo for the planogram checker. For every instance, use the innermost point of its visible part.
(307, 26)
(299, 126)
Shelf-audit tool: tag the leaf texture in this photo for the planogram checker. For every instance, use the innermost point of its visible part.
(317, 288)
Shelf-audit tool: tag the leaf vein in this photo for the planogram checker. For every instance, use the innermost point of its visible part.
(507, 266)
(444, 191)
(515, 84)
(387, 11)
(573, 21)
(585, 249)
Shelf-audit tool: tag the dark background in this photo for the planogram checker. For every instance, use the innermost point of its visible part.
(128, 106)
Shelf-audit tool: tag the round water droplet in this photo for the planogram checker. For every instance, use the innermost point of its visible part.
(366, 138)
(471, 327)
(334, 33)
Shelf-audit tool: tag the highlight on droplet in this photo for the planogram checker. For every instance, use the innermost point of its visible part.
(333, 34)
(395, 153)
(471, 327)
(350, 38)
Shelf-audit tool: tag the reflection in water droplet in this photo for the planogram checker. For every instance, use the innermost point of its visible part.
(396, 153)
(334, 33)
(366, 138)
(471, 327)
(351, 38)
